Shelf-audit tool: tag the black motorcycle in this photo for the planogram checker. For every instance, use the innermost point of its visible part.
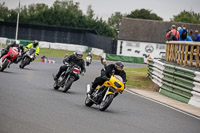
(67, 77)
(28, 57)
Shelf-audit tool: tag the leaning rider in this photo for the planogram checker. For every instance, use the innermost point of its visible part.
(5, 51)
(106, 73)
(72, 59)
(35, 45)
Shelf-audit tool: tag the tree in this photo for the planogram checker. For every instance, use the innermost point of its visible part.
(90, 12)
(3, 11)
(187, 17)
(144, 14)
(115, 20)
(63, 13)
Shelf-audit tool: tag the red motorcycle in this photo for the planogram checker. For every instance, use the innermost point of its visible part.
(9, 58)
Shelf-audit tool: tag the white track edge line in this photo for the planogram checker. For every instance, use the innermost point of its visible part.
(191, 115)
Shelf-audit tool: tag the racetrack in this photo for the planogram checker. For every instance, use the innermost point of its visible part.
(28, 104)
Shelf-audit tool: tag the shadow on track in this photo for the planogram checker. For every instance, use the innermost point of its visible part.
(29, 69)
(107, 111)
(8, 72)
(61, 91)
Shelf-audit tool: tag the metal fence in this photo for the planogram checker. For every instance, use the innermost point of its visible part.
(84, 37)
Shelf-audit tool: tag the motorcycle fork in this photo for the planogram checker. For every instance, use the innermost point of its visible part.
(99, 96)
(66, 79)
(105, 94)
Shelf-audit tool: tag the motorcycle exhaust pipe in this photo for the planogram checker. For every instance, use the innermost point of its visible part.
(88, 88)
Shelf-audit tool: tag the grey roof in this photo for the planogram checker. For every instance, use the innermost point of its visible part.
(147, 30)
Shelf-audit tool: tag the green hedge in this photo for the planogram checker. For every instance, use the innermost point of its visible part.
(124, 58)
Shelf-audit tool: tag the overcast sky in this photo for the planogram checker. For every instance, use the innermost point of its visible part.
(104, 8)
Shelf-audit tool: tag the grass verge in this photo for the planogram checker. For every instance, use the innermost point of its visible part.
(61, 53)
(137, 78)
(58, 53)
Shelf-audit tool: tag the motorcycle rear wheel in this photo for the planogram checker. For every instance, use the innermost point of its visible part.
(24, 62)
(88, 102)
(106, 103)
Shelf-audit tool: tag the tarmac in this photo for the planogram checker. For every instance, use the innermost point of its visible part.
(190, 109)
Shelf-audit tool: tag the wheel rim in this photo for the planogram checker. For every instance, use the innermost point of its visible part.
(103, 103)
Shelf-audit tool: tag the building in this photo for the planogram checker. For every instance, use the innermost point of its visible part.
(140, 38)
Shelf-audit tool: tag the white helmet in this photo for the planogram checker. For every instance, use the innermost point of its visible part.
(78, 52)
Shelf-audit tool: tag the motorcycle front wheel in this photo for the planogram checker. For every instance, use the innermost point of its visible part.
(106, 103)
(4, 65)
(24, 62)
(68, 84)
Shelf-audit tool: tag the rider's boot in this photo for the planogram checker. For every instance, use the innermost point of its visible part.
(55, 77)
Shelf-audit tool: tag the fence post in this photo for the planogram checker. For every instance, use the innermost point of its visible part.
(179, 54)
(191, 55)
(167, 53)
(197, 56)
(186, 55)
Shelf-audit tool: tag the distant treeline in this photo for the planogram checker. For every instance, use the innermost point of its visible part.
(67, 13)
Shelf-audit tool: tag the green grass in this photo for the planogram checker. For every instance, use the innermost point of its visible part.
(61, 53)
(58, 53)
(137, 78)
(2, 46)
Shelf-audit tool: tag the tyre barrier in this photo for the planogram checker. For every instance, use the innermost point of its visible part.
(48, 61)
(176, 82)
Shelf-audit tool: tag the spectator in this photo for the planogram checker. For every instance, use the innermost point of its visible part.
(191, 35)
(148, 58)
(173, 34)
(183, 33)
(197, 36)
(178, 28)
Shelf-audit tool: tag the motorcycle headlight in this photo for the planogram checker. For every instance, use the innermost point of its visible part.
(117, 85)
(31, 56)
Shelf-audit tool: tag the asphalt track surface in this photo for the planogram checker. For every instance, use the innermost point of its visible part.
(28, 104)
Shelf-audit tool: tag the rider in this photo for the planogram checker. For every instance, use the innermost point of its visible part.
(89, 54)
(72, 59)
(106, 73)
(34, 45)
(15, 44)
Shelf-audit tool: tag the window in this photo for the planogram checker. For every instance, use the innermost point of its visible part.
(160, 46)
(132, 44)
(129, 44)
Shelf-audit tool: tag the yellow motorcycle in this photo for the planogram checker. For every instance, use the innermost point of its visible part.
(103, 95)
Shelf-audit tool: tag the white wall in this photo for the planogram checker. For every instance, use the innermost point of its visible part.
(70, 47)
(139, 49)
(3, 40)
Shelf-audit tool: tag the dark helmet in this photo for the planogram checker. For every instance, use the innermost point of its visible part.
(35, 43)
(78, 53)
(119, 63)
(16, 43)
